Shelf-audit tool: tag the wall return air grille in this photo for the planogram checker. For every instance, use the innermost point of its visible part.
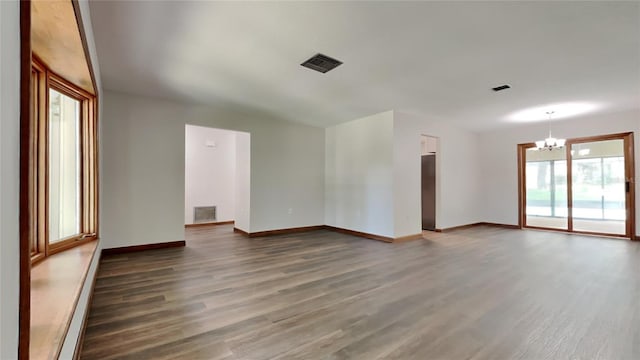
(204, 214)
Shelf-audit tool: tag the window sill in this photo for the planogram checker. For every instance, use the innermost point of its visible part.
(56, 283)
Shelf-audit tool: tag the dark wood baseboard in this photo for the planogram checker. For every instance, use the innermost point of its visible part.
(506, 226)
(331, 228)
(359, 234)
(467, 226)
(128, 249)
(83, 327)
(459, 227)
(239, 231)
(386, 239)
(209, 224)
(408, 238)
(286, 231)
(586, 233)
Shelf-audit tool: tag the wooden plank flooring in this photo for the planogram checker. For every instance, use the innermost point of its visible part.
(479, 293)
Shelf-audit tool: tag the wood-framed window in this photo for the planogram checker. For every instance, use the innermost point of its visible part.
(64, 169)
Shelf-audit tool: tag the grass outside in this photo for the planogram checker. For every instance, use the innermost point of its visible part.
(584, 193)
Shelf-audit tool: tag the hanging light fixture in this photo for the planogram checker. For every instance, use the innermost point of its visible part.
(550, 143)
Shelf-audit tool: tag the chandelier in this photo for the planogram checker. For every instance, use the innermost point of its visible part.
(550, 143)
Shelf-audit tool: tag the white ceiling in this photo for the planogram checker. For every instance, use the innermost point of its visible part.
(434, 59)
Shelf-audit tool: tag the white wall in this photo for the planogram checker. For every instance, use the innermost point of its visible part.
(457, 173)
(243, 182)
(428, 145)
(407, 178)
(359, 175)
(9, 176)
(143, 148)
(373, 174)
(499, 158)
(143, 172)
(210, 171)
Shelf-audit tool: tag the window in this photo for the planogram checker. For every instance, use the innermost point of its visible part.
(547, 188)
(64, 171)
(64, 166)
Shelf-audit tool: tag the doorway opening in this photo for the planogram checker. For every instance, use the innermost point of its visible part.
(217, 177)
(429, 183)
(584, 187)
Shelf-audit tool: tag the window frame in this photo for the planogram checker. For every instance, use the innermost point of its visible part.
(43, 79)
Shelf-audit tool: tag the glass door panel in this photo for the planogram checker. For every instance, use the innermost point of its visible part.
(546, 188)
(598, 187)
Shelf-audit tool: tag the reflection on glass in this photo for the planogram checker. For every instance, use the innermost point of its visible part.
(64, 166)
(546, 188)
(599, 187)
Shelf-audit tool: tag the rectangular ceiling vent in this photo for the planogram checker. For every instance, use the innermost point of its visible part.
(321, 63)
(204, 214)
(501, 87)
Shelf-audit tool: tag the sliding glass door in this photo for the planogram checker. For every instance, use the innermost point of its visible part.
(599, 187)
(583, 187)
(546, 189)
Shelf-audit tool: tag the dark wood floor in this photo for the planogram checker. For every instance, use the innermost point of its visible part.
(480, 293)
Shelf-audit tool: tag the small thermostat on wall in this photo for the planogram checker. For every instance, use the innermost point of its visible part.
(210, 143)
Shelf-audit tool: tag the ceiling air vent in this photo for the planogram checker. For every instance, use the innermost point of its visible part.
(501, 87)
(321, 63)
